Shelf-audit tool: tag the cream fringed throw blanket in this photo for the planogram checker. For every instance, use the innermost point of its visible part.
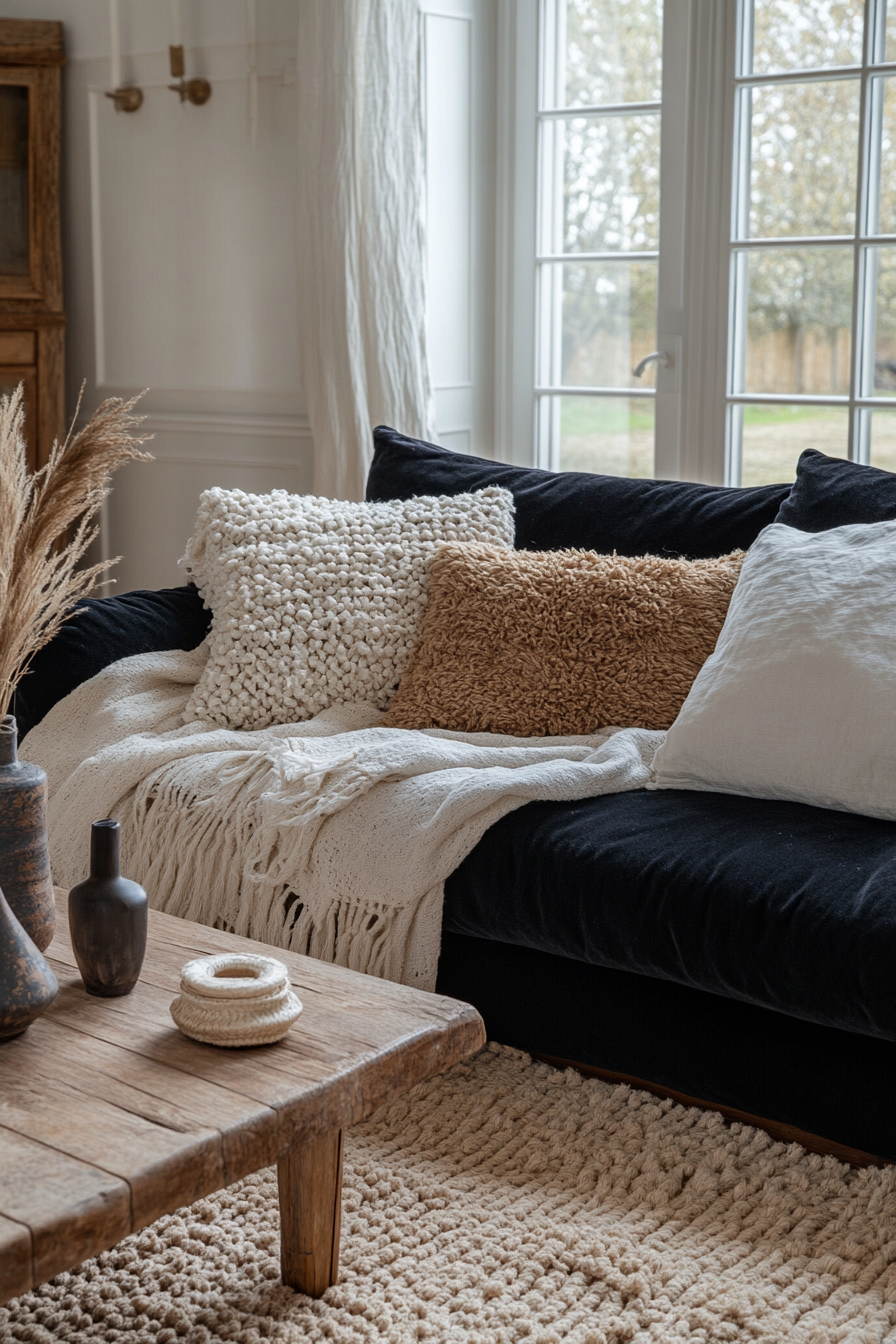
(332, 837)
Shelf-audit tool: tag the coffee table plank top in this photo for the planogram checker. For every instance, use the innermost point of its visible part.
(64, 1202)
(114, 1136)
(109, 1117)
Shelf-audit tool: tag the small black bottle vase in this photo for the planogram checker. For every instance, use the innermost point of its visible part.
(107, 916)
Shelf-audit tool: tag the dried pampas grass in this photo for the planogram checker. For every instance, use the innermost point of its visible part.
(45, 525)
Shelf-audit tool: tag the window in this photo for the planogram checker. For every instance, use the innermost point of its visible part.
(599, 121)
(603, 85)
(714, 184)
(812, 351)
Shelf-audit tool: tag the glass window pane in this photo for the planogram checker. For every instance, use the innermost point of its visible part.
(805, 34)
(614, 52)
(883, 439)
(883, 213)
(882, 277)
(890, 52)
(804, 158)
(774, 437)
(609, 197)
(797, 302)
(13, 179)
(610, 435)
(608, 323)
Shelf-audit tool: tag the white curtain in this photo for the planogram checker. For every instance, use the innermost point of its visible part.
(359, 232)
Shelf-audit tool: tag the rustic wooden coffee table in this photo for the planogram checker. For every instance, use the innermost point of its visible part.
(109, 1117)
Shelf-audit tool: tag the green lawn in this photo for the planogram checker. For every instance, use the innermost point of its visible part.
(599, 415)
(615, 435)
(780, 415)
(604, 415)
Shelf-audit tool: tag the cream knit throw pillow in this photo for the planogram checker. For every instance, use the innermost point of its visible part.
(317, 602)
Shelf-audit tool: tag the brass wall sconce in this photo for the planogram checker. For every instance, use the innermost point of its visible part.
(126, 99)
(196, 91)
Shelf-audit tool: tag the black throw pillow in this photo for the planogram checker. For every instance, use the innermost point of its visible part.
(107, 628)
(556, 510)
(831, 492)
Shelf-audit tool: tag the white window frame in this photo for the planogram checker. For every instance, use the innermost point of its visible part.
(549, 280)
(458, 63)
(859, 401)
(697, 395)
(699, 47)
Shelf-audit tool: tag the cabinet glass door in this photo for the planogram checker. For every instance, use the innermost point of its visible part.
(14, 258)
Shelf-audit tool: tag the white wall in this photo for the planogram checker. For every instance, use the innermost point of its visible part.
(460, 42)
(179, 262)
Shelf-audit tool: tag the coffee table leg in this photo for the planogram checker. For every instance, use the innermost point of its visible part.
(310, 1186)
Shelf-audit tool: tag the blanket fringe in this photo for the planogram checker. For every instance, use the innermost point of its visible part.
(208, 846)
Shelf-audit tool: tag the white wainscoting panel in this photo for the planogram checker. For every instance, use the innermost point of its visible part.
(454, 407)
(459, 440)
(150, 513)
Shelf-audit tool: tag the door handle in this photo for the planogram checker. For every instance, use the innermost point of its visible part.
(658, 357)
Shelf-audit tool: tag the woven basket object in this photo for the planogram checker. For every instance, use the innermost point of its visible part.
(235, 999)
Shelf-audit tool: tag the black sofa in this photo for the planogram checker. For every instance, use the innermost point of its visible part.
(735, 950)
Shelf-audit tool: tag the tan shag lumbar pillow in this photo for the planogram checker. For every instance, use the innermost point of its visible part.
(560, 642)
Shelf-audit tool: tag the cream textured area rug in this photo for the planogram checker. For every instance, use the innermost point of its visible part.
(508, 1201)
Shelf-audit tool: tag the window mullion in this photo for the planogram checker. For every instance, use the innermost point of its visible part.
(707, 211)
(875, 45)
(516, 229)
(864, 312)
(549, 318)
(670, 326)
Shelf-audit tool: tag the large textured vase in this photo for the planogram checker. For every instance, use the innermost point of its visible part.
(24, 859)
(108, 917)
(27, 985)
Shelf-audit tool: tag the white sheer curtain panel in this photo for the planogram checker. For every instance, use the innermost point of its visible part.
(359, 232)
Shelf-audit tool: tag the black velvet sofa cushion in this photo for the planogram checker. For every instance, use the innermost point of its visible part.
(106, 629)
(780, 905)
(555, 510)
(830, 492)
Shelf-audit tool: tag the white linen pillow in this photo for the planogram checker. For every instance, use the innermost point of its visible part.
(317, 602)
(798, 701)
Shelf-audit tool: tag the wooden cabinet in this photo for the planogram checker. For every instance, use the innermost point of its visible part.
(32, 318)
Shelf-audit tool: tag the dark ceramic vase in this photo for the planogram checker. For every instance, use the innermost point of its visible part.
(107, 916)
(27, 985)
(24, 858)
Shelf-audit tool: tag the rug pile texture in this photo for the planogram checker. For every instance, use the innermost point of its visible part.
(508, 1201)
